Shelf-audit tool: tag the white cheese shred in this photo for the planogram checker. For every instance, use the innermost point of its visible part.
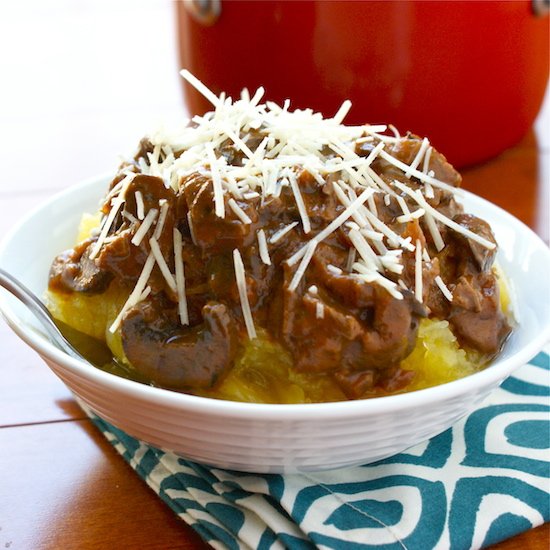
(200, 87)
(339, 220)
(136, 294)
(332, 226)
(357, 216)
(257, 96)
(278, 235)
(434, 232)
(163, 203)
(419, 175)
(262, 247)
(418, 271)
(416, 161)
(238, 211)
(300, 203)
(342, 112)
(191, 228)
(319, 310)
(365, 251)
(352, 253)
(243, 295)
(115, 207)
(163, 266)
(417, 196)
(140, 207)
(310, 250)
(395, 131)
(180, 278)
(374, 153)
(272, 147)
(444, 289)
(144, 294)
(427, 157)
(144, 227)
(130, 217)
(219, 204)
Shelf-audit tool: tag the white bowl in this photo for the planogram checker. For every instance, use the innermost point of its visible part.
(273, 438)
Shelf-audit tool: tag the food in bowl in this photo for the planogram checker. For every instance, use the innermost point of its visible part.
(267, 255)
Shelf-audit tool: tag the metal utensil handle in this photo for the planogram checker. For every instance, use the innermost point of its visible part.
(39, 310)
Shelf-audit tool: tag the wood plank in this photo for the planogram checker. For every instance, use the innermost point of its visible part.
(30, 392)
(534, 539)
(63, 486)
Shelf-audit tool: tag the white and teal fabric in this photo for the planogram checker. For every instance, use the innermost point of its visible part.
(482, 481)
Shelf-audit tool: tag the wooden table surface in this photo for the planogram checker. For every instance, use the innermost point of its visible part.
(70, 101)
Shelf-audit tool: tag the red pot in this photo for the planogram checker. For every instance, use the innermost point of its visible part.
(469, 75)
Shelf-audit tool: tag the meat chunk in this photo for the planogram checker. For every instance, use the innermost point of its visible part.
(475, 313)
(211, 232)
(405, 150)
(74, 271)
(177, 357)
(119, 255)
(482, 256)
(358, 295)
(353, 330)
(476, 316)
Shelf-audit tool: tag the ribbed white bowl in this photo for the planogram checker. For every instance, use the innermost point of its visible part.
(272, 438)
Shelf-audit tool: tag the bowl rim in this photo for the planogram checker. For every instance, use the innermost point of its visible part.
(235, 409)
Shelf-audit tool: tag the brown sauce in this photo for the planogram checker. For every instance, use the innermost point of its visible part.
(333, 324)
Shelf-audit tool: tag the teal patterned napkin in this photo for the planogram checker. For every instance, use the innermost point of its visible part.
(482, 481)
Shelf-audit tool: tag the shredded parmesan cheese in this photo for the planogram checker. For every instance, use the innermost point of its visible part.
(191, 229)
(427, 157)
(342, 112)
(352, 252)
(136, 294)
(139, 205)
(310, 249)
(416, 161)
(278, 235)
(118, 202)
(300, 203)
(419, 175)
(262, 247)
(163, 203)
(200, 87)
(443, 287)
(337, 222)
(144, 227)
(365, 251)
(443, 219)
(163, 266)
(238, 211)
(319, 310)
(254, 152)
(243, 295)
(334, 270)
(418, 271)
(180, 278)
(217, 183)
(130, 217)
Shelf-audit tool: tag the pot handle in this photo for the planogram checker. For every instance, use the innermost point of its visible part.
(206, 12)
(540, 7)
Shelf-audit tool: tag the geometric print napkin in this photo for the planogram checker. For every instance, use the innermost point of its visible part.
(484, 480)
